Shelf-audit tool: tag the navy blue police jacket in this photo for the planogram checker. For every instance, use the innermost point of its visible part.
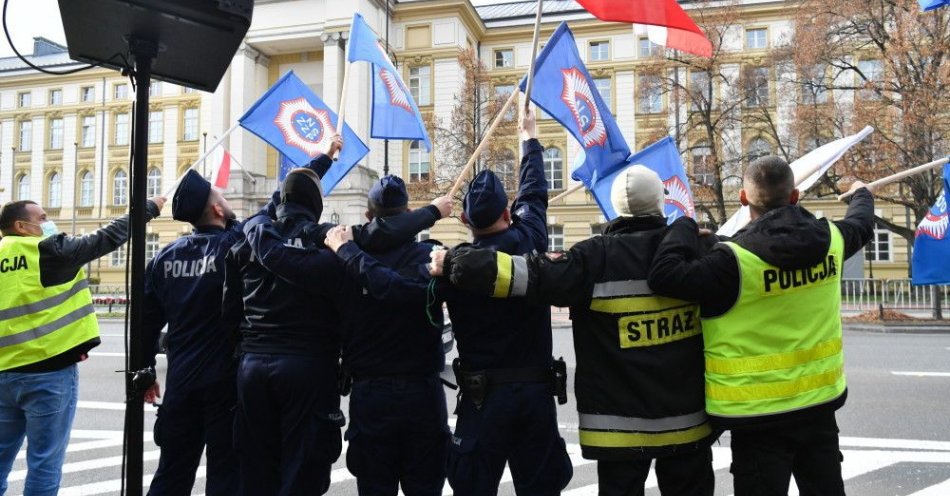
(387, 329)
(494, 333)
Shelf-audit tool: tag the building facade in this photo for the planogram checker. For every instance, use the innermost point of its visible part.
(64, 140)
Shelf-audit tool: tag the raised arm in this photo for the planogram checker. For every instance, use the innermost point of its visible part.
(529, 210)
(857, 227)
(380, 281)
(299, 266)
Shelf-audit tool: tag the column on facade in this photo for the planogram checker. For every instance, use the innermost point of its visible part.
(171, 136)
(68, 174)
(37, 159)
(245, 89)
(7, 136)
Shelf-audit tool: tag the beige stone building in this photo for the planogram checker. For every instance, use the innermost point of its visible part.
(64, 140)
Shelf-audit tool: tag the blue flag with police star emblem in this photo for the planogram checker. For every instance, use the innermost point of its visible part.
(564, 89)
(300, 126)
(284, 167)
(926, 5)
(931, 261)
(395, 114)
(664, 159)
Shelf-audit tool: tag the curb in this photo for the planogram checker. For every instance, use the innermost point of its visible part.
(903, 328)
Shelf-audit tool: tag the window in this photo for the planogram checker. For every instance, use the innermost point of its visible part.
(188, 90)
(702, 164)
(26, 136)
(55, 191)
(24, 99)
(154, 182)
(814, 85)
(85, 189)
(647, 48)
(151, 245)
(879, 249)
(599, 50)
(120, 188)
(505, 169)
(605, 88)
(422, 235)
(872, 72)
(190, 128)
(418, 163)
(502, 93)
(155, 126)
(554, 168)
(555, 238)
(55, 97)
(757, 86)
(651, 100)
(155, 88)
(597, 229)
(56, 134)
(759, 148)
(23, 187)
(756, 38)
(87, 94)
(420, 84)
(121, 91)
(118, 256)
(700, 90)
(88, 132)
(121, 129)
(504, 58)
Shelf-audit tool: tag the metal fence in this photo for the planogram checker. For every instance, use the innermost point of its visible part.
(860, 295)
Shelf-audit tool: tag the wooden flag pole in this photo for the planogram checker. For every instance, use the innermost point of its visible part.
(340, 116)
(206, 154)
(534, 55)
(900, 175)
(481, 146)
(567, 192)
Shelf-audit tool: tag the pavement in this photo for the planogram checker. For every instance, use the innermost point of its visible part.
(895, 427)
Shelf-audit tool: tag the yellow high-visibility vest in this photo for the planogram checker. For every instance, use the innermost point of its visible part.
(778, 349)
(39, 322)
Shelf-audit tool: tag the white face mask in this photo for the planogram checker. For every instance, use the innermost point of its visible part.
(48, 227)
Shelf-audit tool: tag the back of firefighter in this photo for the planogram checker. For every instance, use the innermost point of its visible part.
(639, 381)
(506, 412)
(771, 307)
(47, 325)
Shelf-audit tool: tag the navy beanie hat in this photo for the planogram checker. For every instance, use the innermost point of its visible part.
(485, 200)
(389, 192)
(191, 197)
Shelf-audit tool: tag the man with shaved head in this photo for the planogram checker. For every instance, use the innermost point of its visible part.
(770, 303)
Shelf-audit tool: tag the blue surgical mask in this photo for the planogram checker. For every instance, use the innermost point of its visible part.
(48, 227)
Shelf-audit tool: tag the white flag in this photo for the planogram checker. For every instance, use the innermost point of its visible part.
(808, 169)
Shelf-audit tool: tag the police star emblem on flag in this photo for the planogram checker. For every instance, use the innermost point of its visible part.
(579, 98)
(935, 223)
(678, 196)
(397, 94)
(303, 126)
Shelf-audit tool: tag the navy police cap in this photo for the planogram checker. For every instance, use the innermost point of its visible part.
(191, 197)
(389, 192)
(485, 200)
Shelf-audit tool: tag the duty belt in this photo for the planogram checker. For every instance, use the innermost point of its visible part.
(477, 384)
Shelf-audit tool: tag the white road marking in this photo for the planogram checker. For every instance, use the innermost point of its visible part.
(921, 374)
(942, 489)
(101, 405)
(95, 463)
(114, 485)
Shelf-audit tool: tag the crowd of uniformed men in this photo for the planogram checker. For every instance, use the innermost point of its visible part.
(678, 335)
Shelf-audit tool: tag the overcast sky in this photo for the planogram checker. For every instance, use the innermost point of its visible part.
(29, 18)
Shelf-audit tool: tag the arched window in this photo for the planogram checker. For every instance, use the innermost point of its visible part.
(554, 168)
(154, 182)
(120, 188)
(418, 162)
(758, 148)
(23, 187)
(85, 189)
(55, 191)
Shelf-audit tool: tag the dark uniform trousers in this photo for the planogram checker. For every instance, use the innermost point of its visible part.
(680, 474)
(185, 424)
(287, 426)
(517, 423)
(763, 460)
(398, 435)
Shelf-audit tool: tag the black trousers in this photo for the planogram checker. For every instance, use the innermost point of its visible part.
(680, 474)
(763, 461)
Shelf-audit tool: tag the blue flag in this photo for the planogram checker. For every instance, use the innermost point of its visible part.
(931, 262)
(300, 126)
(285, 167)
(395, 114)
(564, 89)
(664, 159)
(926, 5)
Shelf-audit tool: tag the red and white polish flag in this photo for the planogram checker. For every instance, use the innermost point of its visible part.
(666, 23)
(222, 168)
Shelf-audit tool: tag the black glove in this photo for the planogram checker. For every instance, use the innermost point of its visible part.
(472, 269)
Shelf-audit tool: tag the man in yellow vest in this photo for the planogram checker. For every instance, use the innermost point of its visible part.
(770, 301)
(47, 325)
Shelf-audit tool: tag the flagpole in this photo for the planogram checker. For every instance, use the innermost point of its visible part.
(567, 192)
(534, 55)
(207, 153)
(900, 175)
(340, 115)
(481, 146)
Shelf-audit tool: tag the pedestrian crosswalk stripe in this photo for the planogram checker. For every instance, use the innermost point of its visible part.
(95, 463)
(942, 489)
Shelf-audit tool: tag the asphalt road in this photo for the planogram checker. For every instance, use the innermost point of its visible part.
(895, 427)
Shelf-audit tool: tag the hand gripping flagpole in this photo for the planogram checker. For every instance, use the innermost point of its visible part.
(534, 55)
(900, 175)
(206, 154)
(481, 146)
